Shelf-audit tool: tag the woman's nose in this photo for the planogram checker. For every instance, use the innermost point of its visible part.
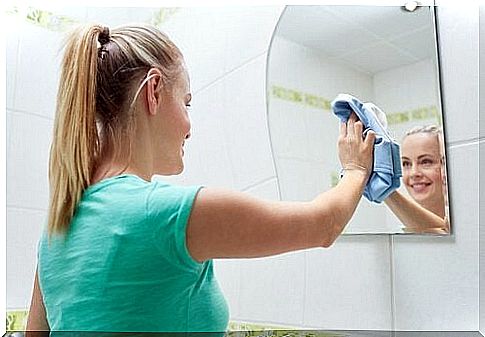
(415, 170)
(187, 136)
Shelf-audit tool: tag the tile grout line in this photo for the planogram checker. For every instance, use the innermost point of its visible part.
(20, 208)
(392, 282)
(256, 184)
(218, 79)
(22, 112)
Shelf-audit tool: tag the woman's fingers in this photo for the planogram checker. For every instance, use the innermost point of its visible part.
(343, 129)
(353, 116)
(350, 127)
(358, 127)
(370, 138)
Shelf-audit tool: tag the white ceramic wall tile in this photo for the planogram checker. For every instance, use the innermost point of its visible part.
(458, 37)
(75, 13)
(115, 16)
(249, 32)
(12, 43)
(272, 289)
(436, 278)
(27, 161)
(245, 124)
(228, 273)
(482, 75)
(267, 190)
(200, 34)
(216, 40)
(8, 130)
(482, 169)
(207, 140)
(348, 285)
(38, 69)
(24, 228)
(482, 234)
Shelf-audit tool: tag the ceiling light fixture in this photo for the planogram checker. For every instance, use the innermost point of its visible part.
(411, 6)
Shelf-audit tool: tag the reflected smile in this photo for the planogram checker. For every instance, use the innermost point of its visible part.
(419, 187)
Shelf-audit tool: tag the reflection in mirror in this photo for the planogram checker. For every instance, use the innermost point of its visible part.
(383, 55)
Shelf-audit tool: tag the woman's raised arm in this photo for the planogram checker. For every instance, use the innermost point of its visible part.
(227, 224)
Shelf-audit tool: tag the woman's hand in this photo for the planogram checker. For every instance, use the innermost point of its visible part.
(355, 152)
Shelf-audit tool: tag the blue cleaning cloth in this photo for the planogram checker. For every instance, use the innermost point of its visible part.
(386, 172)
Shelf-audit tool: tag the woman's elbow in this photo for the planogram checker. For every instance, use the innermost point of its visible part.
(328, 241)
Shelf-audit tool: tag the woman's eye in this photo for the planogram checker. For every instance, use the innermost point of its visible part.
(406, 164)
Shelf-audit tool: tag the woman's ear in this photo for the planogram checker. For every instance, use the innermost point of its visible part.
(154, 90)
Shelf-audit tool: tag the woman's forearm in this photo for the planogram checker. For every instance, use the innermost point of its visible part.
(414, 216)
(340, 202)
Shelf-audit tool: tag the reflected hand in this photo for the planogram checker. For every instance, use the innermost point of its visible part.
(355, 152)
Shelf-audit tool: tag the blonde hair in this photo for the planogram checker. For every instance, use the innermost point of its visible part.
(101, 76)
(432, 129)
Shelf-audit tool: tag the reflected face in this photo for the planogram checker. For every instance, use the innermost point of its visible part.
(422, 168)
(174, 126)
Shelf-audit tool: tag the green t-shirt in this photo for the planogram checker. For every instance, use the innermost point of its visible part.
(123, 265)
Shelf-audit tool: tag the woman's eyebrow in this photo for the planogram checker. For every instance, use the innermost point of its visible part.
(426, 155)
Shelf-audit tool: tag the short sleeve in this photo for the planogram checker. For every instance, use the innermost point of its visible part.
(168, 209)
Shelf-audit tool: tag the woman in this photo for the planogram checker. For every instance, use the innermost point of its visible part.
(122, 253)
(424, 179)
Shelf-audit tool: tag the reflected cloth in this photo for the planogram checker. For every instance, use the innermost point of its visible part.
(386, 171)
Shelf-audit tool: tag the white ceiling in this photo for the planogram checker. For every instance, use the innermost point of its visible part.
(367, 38)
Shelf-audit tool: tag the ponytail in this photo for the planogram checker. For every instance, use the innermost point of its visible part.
(97, 90)
(75, 140)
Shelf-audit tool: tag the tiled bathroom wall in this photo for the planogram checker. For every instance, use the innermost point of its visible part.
(482, 167)
(431, 289)
(349, 286)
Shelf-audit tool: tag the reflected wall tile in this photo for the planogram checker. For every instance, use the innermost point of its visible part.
(301, 180)
(38, 69)
(272, 289)
(245, 125)
(322, 135)
(23, 230)
(288, 130)
(12, 43)
(347, 286)
(228, 273)
(436, 278)
(458, 31)
(27, 161)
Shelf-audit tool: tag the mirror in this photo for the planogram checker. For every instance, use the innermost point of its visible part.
(380, 54)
